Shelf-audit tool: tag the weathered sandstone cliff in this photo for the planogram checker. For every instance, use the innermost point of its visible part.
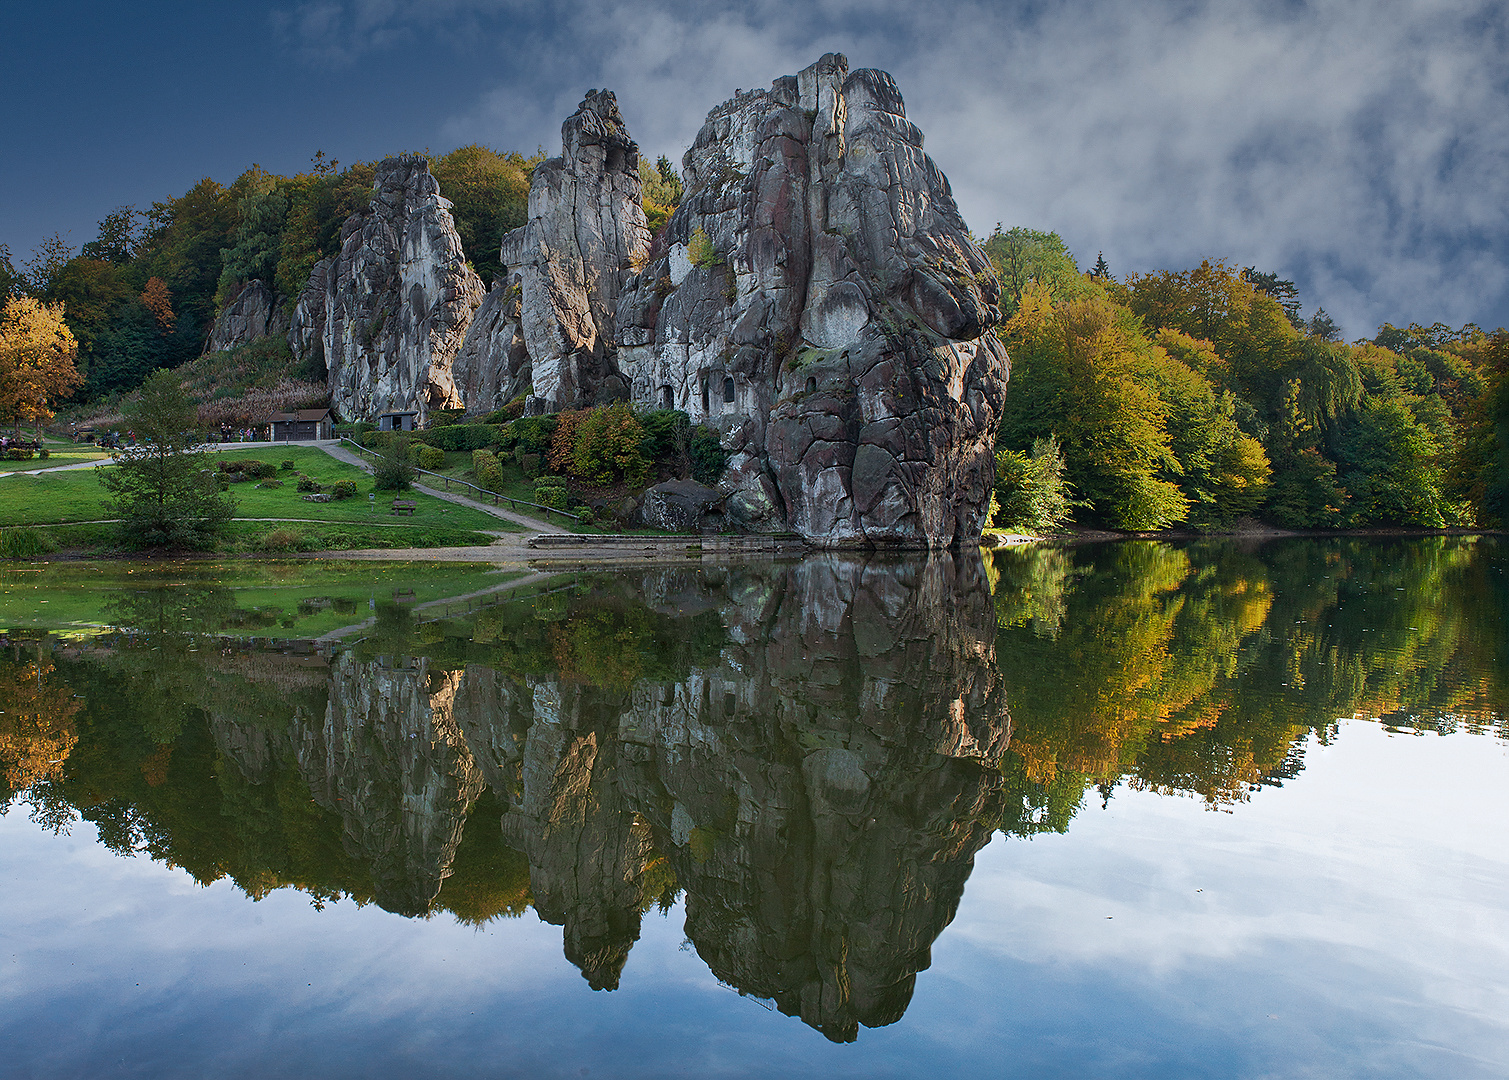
(818, 299)
(550, 320)
(397, 300)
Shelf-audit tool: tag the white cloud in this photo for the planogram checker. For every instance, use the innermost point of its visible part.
(1358, 146)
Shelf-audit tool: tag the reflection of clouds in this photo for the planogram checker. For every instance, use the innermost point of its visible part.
(116, 922)
(1382, 856)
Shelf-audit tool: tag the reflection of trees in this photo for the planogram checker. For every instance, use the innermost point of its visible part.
(811, 752)
(36, 723)
(1204, 669)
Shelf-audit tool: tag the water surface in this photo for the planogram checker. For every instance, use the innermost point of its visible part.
(1125, 810)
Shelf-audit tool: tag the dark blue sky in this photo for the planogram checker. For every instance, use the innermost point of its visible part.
(1361, 148)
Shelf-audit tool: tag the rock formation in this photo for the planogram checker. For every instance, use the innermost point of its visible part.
(556, 306)
(817, 298)
(397, 300)
(254, 312)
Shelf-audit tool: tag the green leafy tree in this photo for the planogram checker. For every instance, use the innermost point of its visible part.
(489, 195)
(161, 489)
(1082, 371)
(40, 272)
(393, 471)
(1023, 255)
(661, 190)
(1032, 493)
(1285, 292)
(119, 237)
(253, 254)
(11, 283)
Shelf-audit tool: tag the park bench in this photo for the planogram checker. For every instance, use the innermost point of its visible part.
(403, 506)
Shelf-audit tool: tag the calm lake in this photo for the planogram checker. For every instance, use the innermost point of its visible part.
(1130, 810)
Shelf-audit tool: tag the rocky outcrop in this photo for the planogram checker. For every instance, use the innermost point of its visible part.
(398, 300)
(493, 366)
(676, 506)
(586, 228)
(306, 330)
(818, 300)
(254, 312)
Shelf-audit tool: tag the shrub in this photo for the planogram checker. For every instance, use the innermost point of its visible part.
(431, 457)
(563, 440)
(25, 544)
(700, 250)
(376, 440)
(44, 453)
(307, 483)
(1032, 493)
(270, 484)
(17, 453)
(665, 434)
(280, 539)
(608, 447)
(709, 459)
(531, 464)
(344, 489)
(461, 437)
(264, 470)
(489, 471)
(533, 434)
(286, 466)
(551, 491)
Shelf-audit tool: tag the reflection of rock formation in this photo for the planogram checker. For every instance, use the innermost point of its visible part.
(389, 759)
(820, 793)
(823, 793)
(819, 790)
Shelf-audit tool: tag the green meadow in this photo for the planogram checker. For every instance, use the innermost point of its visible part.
(70, 499)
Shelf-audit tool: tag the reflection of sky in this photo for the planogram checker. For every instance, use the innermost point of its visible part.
(1352, 923)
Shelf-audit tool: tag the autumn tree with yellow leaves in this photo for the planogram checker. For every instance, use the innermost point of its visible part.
(37, 351)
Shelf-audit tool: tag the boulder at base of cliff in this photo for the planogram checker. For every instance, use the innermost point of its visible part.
(677, 505)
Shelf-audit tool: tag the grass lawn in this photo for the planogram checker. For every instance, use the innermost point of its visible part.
(279, 599)
(286, 502)
(59, 453)
(58, 498)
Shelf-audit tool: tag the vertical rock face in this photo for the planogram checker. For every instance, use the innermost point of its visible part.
(252, 313)
(493, 366)
(818, 299)
(306, 330)
(560, 290)
(398, 299)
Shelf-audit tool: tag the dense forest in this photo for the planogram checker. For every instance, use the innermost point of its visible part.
(1194, 398)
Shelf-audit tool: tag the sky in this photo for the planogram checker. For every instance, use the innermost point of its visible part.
(1357, 147)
